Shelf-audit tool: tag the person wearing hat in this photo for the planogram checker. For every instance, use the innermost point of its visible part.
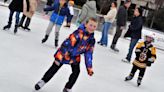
(121, 23)
(134, 32)
(145, 56)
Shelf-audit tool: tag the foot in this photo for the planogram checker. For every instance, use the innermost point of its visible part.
(45, 39)
(67, 26)
(138, 82)
(39, 85)
(56, 43)
(114, 49)
(128, 78)
(66, 90)
(126, 60)
(6, 27)
(21, 26)
(15, 30)
(26, 28)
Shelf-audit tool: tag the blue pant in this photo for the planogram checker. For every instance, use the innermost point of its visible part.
(11, 15)
(133, 43)
(105, 28)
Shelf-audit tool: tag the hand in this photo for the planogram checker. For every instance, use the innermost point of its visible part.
(90, 72)
(148, 64)
(122, 27)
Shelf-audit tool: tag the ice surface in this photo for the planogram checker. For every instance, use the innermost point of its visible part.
(24, 60)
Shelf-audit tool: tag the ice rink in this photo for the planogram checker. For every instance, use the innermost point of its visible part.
(24, 60)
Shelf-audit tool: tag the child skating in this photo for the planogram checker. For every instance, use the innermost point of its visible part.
(81, 41)
(145, 56)
(60, 10)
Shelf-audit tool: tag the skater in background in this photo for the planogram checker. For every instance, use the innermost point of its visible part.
(60, 10)
(15, 6)
(70, 6)
(109, 19)
(145, 56)
(134, 32)
(29, 8)
(121, 23)
(81, 41)
(88, 10)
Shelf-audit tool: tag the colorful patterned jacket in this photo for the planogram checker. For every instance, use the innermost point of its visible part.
(79, 42)
(145, 55)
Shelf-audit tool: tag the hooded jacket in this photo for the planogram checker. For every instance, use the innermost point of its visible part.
(88, 10)
(79, 42)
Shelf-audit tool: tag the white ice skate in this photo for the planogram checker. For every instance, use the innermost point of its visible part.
(39, 85)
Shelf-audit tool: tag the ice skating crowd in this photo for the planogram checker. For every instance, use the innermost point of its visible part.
(82, 40)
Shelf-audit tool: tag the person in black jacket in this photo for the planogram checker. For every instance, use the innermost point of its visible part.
(134, 32)
(15, 6)
(121, 23)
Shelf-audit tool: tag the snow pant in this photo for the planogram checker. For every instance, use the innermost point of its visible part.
(133, 43)
(72, 79)
(69, 18)
(57, 28)
(105, 29)
(116, 36)
(11, 17)
(141, 71)
(27, 23)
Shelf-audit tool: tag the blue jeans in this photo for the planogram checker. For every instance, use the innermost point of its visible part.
(105, 28)
(133, 43)
(11, 15)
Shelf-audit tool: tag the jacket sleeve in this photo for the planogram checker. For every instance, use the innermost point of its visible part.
(137, 25)
(138, 49)
(50, 8)
(88, 55)
(83, 14)
(153, 55)
(121, 16)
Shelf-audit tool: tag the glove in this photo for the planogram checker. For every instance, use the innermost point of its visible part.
(5, 1)
(90, 71)
(148, 64)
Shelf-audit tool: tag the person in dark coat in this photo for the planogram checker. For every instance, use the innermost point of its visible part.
(134, 32)
(121, 23)
(15, 6)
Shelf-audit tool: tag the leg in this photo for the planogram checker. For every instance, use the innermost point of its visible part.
(57, 29)
(116, 36)
(131, 47)
(105, 37)
(102, 29)
(141, 74)
(28, 20)
(73, 77)
(48, 31)
(48, 75)
(132, 73)
(16, 22)
(10, 20)
(22, 20)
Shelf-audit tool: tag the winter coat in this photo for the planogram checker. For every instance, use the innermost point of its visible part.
(16, 5)
(135, 28)
(122, 16)
(79, 42)
(88, 10)
(145, 55)
(110, 17)
(29, 10)
(58, 14)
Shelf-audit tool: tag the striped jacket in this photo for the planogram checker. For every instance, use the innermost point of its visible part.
(144, 55)
(79, 42)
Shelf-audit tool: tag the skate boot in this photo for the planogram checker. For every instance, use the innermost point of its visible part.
(139, 82)
(128, 78)
(56, 43)
(66, 90)
(39, 85)
(15, 29)
(7, 27)
(45, 38)
(113, 47)
(26, 28)
(125, 60)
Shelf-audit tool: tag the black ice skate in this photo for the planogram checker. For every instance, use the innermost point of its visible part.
(66, 90)
(15, 29)
(128, 78)
(138, 82)
(39, 85)
(6, 27)
(45, 39)
(56, 43)
(26, 28)
(114, 48)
